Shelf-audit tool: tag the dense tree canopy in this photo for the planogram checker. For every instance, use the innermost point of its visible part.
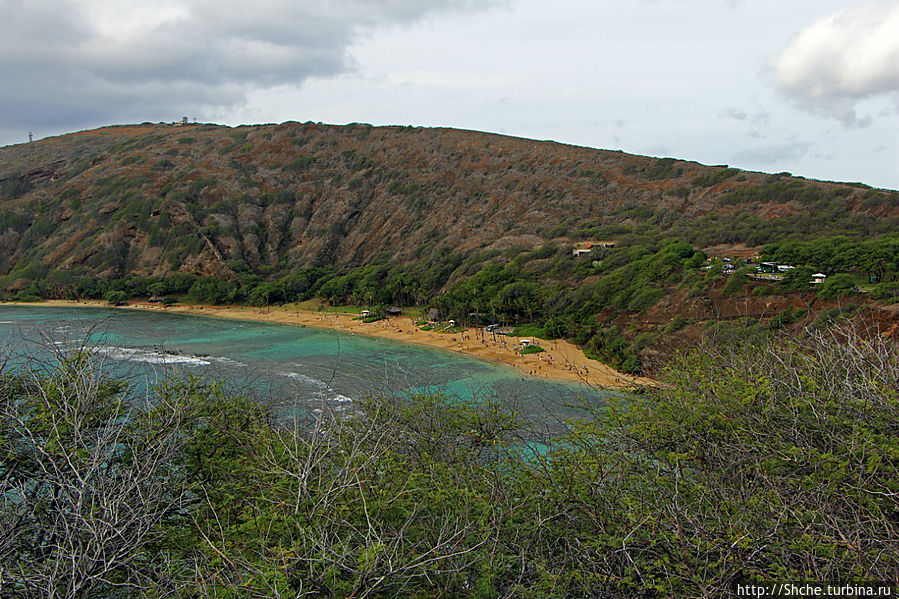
(879, 257)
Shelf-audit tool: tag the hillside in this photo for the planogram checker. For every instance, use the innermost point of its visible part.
(311, 208)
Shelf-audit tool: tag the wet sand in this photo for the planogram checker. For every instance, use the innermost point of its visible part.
(561, 361)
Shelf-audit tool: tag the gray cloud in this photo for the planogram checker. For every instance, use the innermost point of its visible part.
(772, 154)
(734, 113)
(842, 59)
(72, 63)
(757, 122)
(659, 150)
(759, 117)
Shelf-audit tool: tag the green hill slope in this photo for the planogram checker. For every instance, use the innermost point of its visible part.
(473, 223)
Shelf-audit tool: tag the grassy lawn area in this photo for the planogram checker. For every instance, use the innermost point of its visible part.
(316, 305)
(532, 330)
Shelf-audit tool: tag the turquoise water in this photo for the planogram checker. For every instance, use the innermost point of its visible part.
(298, 365)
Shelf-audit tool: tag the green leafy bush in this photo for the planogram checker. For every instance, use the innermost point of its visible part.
(837, 285)
(886, 292)
(430, 496)
(116, 298)
(531, 349)
(644, 299)
(796, 279)
(675, 324)
(737, 280)
(715, 177)
(531, 330)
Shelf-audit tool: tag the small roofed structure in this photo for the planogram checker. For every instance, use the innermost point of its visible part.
(818, 278)
(394, 311)
(525, 342)
(366, 313)
(586, 247)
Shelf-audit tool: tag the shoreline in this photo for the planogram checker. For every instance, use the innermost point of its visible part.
(562, 361)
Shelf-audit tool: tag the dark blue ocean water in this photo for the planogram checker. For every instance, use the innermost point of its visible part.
(293, 365)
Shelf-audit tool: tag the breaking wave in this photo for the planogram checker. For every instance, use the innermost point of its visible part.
(326, 391)
(152, 356)
(161, 356)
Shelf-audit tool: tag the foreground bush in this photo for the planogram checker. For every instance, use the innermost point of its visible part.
(759, 462)
(762, 462)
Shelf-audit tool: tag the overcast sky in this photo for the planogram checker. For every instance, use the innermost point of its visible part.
(806, 86)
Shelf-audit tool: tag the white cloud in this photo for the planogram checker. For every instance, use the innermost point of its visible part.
(842, 59)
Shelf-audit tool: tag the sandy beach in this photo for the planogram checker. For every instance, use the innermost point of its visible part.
(561, 360)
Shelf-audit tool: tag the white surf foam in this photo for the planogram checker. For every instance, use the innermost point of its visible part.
(151, 356)
(306, 379)
(227, 361)
(326, 391)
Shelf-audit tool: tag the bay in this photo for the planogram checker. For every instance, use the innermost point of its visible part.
(298, 366)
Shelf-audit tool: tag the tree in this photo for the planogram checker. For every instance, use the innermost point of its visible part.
(751, 463)
(212, 290)
(737, 280)
(88, 478)
(837, 285)
(116, 298)
(266, 293)
(796, 279)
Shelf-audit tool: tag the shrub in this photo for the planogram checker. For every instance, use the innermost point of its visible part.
(675, 324)
(212, 290)
(715, 177)
(116, 298)
(787, 317)
(803, 426)
(796, 279)
(301, 164)
(714, 272)
(531, 349)
(886, 292)
(736, 281)
(749, 464)
(531, 330)
(644, 299)
(837, 285)
(24, 296)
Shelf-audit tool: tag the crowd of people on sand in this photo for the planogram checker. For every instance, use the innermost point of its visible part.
(465, 340)
(477, 341)
(545, 361)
